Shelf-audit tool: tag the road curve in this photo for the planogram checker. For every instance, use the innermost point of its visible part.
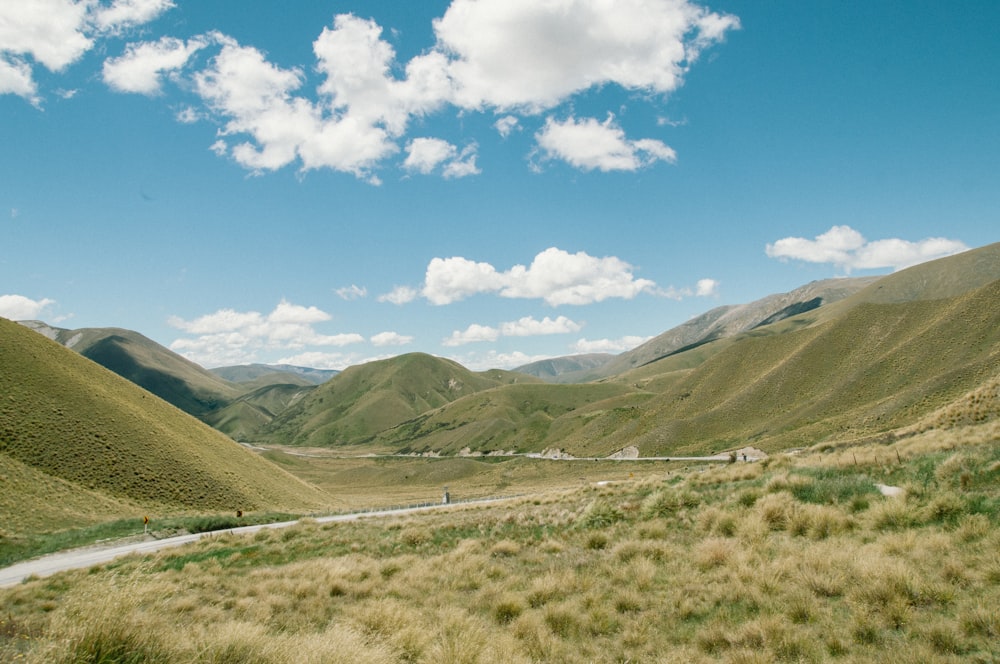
(87, 557)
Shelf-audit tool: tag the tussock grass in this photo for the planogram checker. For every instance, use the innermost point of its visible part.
(657, 569)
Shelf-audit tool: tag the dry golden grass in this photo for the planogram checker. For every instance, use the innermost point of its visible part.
(663, 568)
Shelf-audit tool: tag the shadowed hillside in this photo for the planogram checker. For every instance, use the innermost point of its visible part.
(66, 421)
(146, 363)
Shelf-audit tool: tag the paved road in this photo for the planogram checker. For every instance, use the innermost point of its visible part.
(87, 557)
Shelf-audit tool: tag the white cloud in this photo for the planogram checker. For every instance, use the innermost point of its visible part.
(425, 154)
(229, 336)
(128, 13)
(352, 292)
(531, 55)
(707, 288)
(390, 339)
(589, 145)
(19, 307)
(463, 165)
(529, 326)
(609, 345)
(506, 125)
(15, 78)
(56, 33)
(555, 276)
(509, 56)
(141, 67)
(472, 334)
(399, 295)
(847, 249)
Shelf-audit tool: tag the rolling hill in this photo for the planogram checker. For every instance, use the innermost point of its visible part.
(84, 444)
(366, 399)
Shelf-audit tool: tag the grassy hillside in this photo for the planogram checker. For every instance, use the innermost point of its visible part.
(878, 367)
(511, 418)
(242, 419)
(794, 559)
(874, 368)
(69, 422)
(366, 399)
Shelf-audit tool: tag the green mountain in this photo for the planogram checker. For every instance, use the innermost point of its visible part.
(79, 443)
(363, 400)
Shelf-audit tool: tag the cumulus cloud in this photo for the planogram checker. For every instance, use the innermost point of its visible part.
(472, 334)
(530, 55)
(609, 345)
(528, 326)
(592, 145)
(140, 69)
(391, 339)
(229, 336)
(847, 249)
(707, 288)
(56, 33)
(555, 276)
(512, 57)
(19, 307)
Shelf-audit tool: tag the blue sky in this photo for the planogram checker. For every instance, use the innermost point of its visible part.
(494, 181)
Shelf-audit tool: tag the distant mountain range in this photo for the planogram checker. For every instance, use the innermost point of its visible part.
(836, 358)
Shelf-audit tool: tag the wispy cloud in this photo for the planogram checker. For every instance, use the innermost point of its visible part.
(352, 292)
(847, 249)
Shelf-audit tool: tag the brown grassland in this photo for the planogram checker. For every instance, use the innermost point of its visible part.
(798, 558)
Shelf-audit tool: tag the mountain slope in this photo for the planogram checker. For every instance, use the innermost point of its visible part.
(875, 368)
(146, 363)
(67, 418)
(920, 345)
(363, 400)
(730, 320)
